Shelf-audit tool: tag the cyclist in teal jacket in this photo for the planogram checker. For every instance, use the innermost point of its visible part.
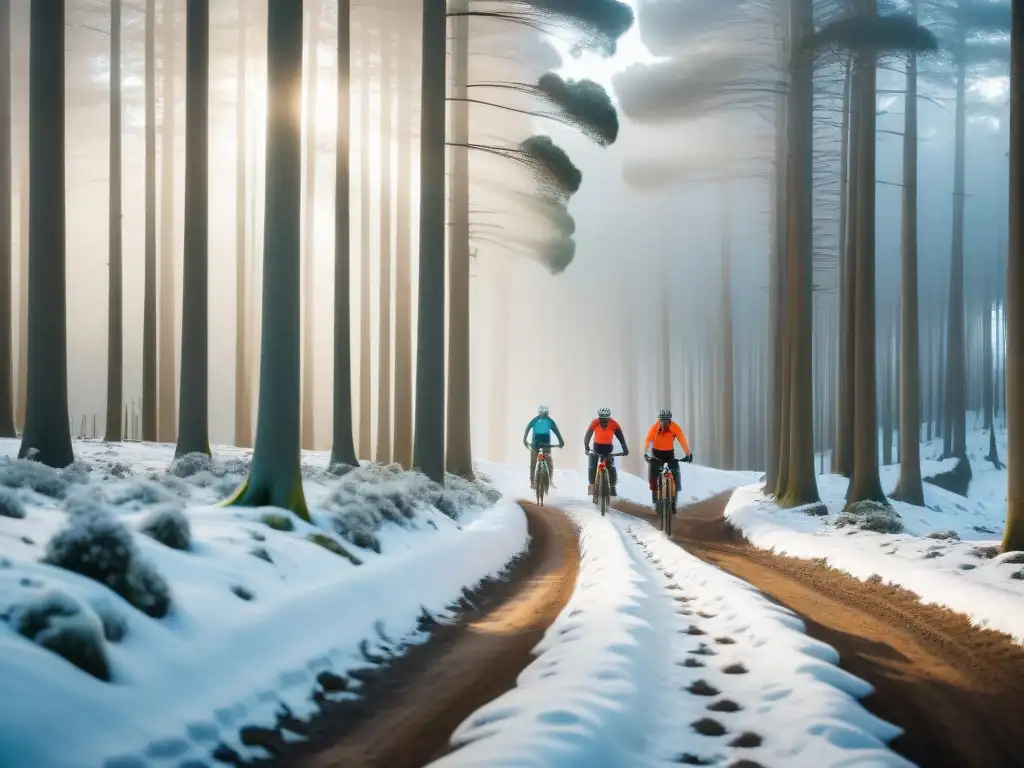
(542, 426)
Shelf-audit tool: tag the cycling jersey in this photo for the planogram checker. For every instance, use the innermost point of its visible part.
(606, 434)
(663, 438)
(543, 427)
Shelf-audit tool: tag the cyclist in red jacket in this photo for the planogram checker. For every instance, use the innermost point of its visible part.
(604, 429)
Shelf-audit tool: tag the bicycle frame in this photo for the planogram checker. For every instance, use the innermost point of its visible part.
(601, 491)
(666, 497)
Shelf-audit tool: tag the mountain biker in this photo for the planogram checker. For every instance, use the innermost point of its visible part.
(604, 429)
(661, 437)
(542, 426)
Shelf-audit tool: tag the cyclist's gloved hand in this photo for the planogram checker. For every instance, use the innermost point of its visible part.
(625, 451)
(647, 457)
(689, 459)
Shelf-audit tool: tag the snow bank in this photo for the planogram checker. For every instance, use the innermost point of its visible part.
(659, 658)
(261, 603)
(962, 575)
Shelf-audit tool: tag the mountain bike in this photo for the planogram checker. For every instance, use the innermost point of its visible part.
(602, 482)
(542, 474)
(665, 495)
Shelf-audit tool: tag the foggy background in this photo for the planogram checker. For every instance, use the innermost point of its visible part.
(576, 341)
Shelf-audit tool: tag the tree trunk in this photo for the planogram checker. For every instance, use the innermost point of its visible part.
(23, 233)
(801, 482)
(309, 236)
(365, 403)
(1013, 536)
(458, 457)
(193, 424)
(149, 343)
(955, 438)
(842, 462)
(115, 340)
(776, 297)
(428, 444)
(47, 435)
(167, 419)
(844, 258)
(403, 261)
(988, 378)
(728, 385)
(885, 409)
(383, 447)
(6, 377)
(865, 484)
(243, 391)
(276, 475)
(909, 488)
(343, 449)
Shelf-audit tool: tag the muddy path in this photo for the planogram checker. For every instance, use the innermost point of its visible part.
(407, 715)
(957, 691)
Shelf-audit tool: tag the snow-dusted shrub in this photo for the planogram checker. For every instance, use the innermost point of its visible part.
(172, 483)
(190, 464)
(225, 486)
(22, 473)
(466, 494)
(142, 492)
(87, 499)
(119, 470)
(77, 472)
(98, 546)
(279, 521)
(871, 516)
(60, 623)
(1014, 557)
(10, 504)
(339, 469)
(169, 525)
(203, 479)
(115, 625)
(367, 497)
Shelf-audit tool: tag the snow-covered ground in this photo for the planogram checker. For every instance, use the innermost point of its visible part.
(946, 553)
(660, 658)
(240, 611)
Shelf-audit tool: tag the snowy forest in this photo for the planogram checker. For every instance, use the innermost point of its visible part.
(729, 317)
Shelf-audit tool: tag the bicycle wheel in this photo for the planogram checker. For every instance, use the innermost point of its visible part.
(541, 484)
(604, 494)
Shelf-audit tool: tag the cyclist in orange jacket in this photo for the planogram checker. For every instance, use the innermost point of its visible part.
(604, 429)
(662, 437)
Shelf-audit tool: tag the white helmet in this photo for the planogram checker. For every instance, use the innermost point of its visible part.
(604, 413)
(542, 410)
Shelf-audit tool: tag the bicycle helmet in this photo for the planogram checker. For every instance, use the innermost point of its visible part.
(664, 415)
(604, 413)
(542, 410)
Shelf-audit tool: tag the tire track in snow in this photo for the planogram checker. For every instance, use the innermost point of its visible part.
(954, 687)
(747, 686)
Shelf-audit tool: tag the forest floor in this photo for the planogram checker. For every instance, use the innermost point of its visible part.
(404, 718)
(953, 688)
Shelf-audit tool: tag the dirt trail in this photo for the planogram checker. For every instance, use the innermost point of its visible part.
(409, 717)
(957, 691)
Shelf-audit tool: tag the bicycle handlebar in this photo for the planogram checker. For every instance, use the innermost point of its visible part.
(606, 455)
